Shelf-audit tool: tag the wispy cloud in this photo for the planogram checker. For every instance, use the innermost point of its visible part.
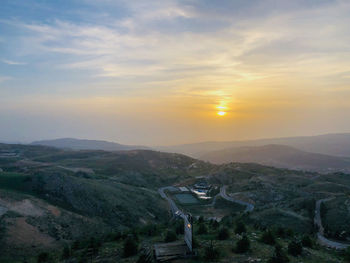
(11, 62)
(4, 78)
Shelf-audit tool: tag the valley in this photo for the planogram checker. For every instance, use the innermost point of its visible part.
(53, 198)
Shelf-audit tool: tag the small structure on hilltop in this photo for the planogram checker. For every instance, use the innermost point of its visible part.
(201, 189)
(179, 249)
(202, 185)
(183, 189)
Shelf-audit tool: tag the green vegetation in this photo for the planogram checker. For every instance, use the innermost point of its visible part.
(130, 247)
(113, 211)
(336, 217)
(15, 181)
(211, 253)
(295, 248)
(279, 256)
(202, 229)
(347, 255)
(268, 238)
(306, 241)
(170, 236)
(243, 245)
(240, 228)
(223, 234)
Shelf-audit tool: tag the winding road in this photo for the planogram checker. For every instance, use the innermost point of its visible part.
(320, 235)
(173, 207)
(250, 207)
(223, 194)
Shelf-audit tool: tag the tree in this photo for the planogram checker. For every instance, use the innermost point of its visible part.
(201, 219)
(347, 255)
(43, 257)
(66, 252)
(280, 232)
(76, 245)
(215, 224)
(306, 241)
(170, 236)
(202, 229)
(295, 248)
(142, 259)
(130, 247)
(223, 234)
(243, 245)
(211, 253)
(268, 238)
(240, 228)
(94, 245)
(179, 227)
(278, 256)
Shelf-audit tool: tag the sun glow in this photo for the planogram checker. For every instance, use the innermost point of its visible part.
(221, 110)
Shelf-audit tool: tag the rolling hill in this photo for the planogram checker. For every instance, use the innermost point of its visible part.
(280, 156)
(330, 144)
(81, 144)
(51, 198)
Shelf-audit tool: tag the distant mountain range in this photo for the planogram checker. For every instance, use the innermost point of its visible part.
(323, 153)
(330, 144)
(80, 144)
(280, 156)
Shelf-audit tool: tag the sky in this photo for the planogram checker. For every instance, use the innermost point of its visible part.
(173, 71)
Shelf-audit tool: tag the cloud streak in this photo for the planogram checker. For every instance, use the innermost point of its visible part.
(11, 62)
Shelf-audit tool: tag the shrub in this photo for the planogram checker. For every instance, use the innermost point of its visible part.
(76, 245)
(130, 247)
(94, 245)
(347, 255)
(227, 221)
(280, 232)
(295, 248)
(195, 243)
(142, 259)
(240, 228)
(215, 224)
(268, 238)
(290, 232)
(211, 253)
(242, 245)
(170, 236)
(278, 256)
(66, 252)
(306, 241)
(43, 257)
(202, 229)
(179, 227)
(223, 234)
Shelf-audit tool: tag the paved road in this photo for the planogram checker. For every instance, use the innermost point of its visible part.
(320, 235)
(173, 207)
(223, 194)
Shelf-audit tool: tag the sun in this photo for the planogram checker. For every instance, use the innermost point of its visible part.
(221, 113)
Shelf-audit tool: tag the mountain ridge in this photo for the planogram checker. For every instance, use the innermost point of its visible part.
(280, 156)
(337, 144)
(86, 144)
